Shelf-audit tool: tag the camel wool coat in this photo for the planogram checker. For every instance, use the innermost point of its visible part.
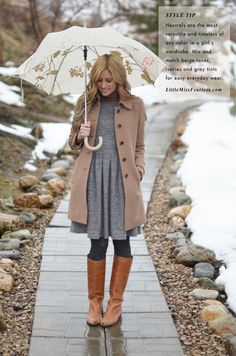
(129, 120)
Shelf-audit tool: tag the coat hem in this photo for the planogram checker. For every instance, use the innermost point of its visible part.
(129, 227)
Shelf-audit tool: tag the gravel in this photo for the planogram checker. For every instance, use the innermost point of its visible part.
(18, 305)
(176, 280)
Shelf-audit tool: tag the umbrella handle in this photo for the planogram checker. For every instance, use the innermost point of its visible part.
(93, 148)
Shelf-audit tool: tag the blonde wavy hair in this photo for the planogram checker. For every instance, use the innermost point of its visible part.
(114, 64)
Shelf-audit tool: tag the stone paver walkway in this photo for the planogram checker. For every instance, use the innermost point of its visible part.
(59, 325)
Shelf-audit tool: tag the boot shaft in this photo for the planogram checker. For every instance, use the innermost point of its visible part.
(96, 271)
(119, 276)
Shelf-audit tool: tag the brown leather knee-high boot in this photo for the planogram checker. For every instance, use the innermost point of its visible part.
(96, 282)
(119, 277)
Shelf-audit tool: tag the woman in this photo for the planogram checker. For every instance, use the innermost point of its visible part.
(106, 199)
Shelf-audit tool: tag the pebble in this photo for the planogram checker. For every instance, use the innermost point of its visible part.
(28, 181)
(61, 163)
(182, 150)
(47, 191)
(178, 156)
(37, 131)
(207, 283)
(181, 242)
(212, 302)
(177, 221)
(27, 200)
(37, 189)
(12, 244)
(231, 345)
(6, 282)
(19, 234)
(68, 158)
(212, 312)
(182, 211)
(61, 171)
(27, 217)
(175, 181)
(179, 198)
(6, 262)
(18, 306)
(3, 325)
(180, 130)
(175, 235)
(200, 293)
(8, 217)
(57, 185)
(46, 201)
(176, 189)
(47, 176)
(194, 254)
(186, 231)
(178, 142)
(204, 269)
(226, 324)
(12, 254)
(174, 168)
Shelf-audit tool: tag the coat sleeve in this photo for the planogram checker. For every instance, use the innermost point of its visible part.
(75, 127)
(140, 145)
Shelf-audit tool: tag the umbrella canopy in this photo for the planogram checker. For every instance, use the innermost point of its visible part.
(58, 65)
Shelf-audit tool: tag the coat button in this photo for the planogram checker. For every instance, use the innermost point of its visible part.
(118, 110)
(124, 159)
(119, 125)
(121, 142)
(126, 175)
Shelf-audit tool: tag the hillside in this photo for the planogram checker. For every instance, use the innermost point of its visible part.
(16, 44)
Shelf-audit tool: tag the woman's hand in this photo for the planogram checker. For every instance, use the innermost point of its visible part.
(84, 130)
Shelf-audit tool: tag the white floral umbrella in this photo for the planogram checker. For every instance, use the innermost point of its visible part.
(62, 62)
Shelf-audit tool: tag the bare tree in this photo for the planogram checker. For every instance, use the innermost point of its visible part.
(56, 10)
(73, 9)
(35, 21)
(54, 15)
(59, 14)
(108, 11)
(1, 49)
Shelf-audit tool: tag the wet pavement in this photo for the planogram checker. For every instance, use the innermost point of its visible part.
(146, 327)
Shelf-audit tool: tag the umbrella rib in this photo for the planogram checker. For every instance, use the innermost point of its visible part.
(75, 49)
(59, 87)
(55, 79)
(30, 60)
(95, 50)
(40, 85)
(130, 55)
(49, 66)
(147, 70)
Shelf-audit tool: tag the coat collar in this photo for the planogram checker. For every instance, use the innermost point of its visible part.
(127, 103)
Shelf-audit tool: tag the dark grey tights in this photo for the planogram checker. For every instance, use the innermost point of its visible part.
(99, 248)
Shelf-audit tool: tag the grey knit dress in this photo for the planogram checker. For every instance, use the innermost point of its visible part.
(105, 191)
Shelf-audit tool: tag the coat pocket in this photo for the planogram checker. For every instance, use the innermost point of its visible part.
(138, 173)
